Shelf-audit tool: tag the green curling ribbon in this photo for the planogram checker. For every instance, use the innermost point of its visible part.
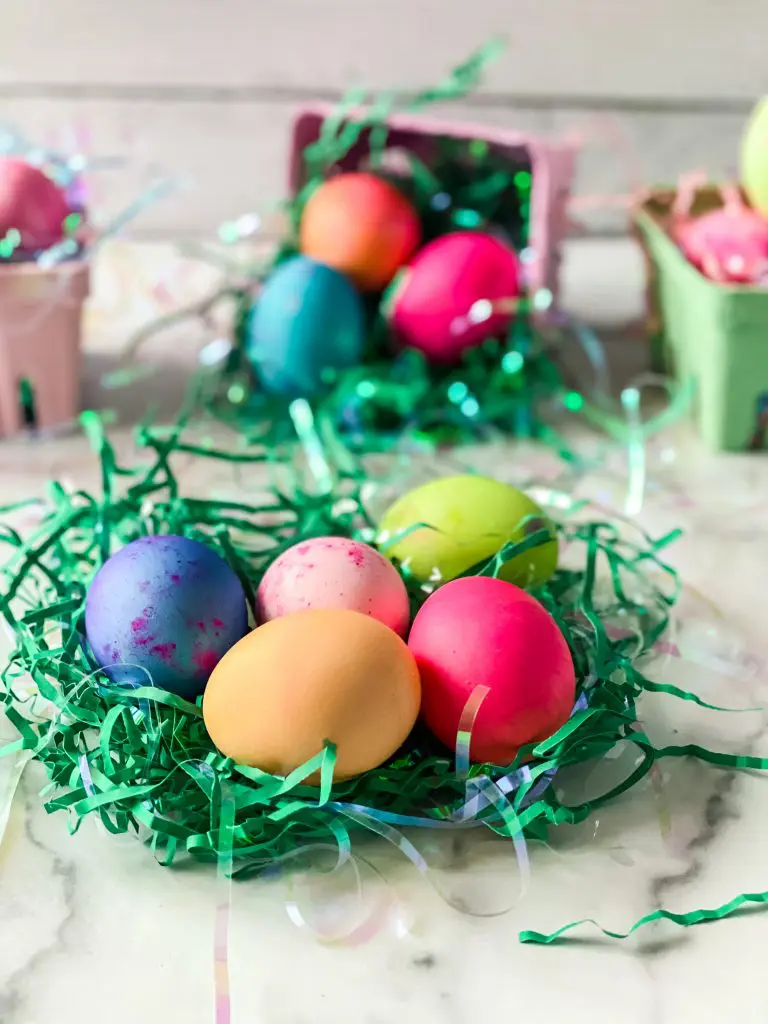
(140, 759)
(683, 920)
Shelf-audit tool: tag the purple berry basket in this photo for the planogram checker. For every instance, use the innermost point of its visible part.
(551, 165)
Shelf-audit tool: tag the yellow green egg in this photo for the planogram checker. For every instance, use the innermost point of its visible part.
(754, 157)
(459, 521)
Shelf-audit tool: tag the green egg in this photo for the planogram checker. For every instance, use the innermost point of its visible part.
(754, 157)
(467, 519)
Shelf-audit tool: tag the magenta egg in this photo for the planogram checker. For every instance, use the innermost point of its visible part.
(457, 291)
(728, 244)
(31, 204)
(334, 572)
(483, 632)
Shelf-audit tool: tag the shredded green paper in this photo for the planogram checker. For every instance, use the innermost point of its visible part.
(140, 758)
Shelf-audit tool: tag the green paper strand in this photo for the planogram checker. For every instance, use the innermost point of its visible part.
(693, 917)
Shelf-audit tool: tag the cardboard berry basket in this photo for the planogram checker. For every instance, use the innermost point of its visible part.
(40, 343)
(714, 335)
(550, 165)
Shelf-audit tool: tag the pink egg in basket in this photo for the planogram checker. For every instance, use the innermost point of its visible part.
(729, 244)
(459, 290)
(31, 204)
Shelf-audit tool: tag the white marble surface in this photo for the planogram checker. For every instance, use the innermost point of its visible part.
(93, 931)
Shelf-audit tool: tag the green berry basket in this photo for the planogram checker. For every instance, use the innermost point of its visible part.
(713, 335)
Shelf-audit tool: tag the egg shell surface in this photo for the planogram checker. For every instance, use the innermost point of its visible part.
(334, 572)
(32, 204)
(302, 679)
(171, 606)
(480, 631)
(727, 244)
(361, 225)
(467, 519)
(434, 305)
(307, 320)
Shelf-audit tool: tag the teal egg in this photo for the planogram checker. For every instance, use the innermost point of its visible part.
(308, 320)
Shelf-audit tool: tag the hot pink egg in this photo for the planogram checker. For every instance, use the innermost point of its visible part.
(31, 204)
(457, 291)
(334, 572)
(480, 631)
(728, 245)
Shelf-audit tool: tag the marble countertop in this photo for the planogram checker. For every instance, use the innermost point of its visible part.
(93, 930)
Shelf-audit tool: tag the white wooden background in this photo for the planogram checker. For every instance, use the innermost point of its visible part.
(205, 89)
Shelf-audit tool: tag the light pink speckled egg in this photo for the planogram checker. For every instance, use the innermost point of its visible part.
(334, 572)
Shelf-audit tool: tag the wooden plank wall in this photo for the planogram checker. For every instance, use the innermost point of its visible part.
(205, 89)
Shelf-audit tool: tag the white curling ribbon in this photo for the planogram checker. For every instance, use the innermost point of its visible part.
(345, 915)
(705, 645)
(19, 764)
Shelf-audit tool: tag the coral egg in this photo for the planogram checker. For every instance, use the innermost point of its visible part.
(361, 225)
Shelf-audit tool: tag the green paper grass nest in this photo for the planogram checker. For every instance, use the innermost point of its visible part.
(140, 758)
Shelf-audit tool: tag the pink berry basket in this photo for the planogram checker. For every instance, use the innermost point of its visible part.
(552, 166)
(40, 344)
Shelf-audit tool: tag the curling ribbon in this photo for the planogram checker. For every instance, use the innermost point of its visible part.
(13, 779)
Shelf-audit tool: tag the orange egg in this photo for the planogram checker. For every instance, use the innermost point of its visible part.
(362, 226)
(311, 676)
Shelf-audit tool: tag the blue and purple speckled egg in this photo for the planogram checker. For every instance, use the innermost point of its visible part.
(170, 605)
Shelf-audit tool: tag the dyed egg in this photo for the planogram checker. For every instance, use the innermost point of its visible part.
(302, 679)
(169, 605)
(307, 321)
(31, 204)
(444, 304)
(462, 521)
(362, 226)
(728, 245)
(480, 631)
(334, 572)
(754, 157)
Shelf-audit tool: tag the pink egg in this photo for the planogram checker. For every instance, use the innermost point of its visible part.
(728, 245)
(334, 572)
(31, 204)
(479, 631)
(457, 291)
